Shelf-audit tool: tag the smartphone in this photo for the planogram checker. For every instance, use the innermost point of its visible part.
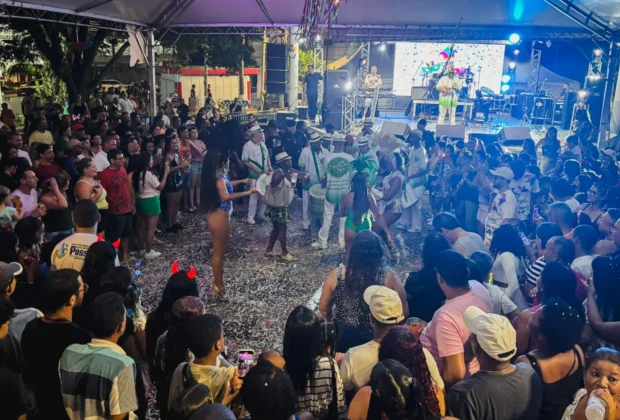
(526, 241)
(245, 361)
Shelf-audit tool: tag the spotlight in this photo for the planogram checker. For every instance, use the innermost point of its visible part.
(582, 94)
(382, 47)
(514, 38)
(598, 53)
(505, 88)
(318, 37)
(506, 78)
(363, 62)
(348, 85)
(302, 40)
(594, 77)
(512, 65)
(516, 52)
(548, 44)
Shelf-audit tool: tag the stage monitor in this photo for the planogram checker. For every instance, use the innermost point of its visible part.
(415, 64)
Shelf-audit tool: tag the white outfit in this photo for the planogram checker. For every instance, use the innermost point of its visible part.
(338, 172)
(371, 82)
(125, 105)
(502, 305)
(583, 265)
(448, 100)
(523, 189)
(149, 189)
(504, 207)
(506, 271)
(413, 196)
(101, 161)
(314, 165)
(258, 155)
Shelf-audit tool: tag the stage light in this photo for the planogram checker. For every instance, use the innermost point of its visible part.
(302, 40)
(506, 78)
(505, 88)
(598, 53)
(512, 65)
(514, 38)
(582, 94)
(382, 47)
(318, 37)
(516, 52)
(363, 62)
(348, 85)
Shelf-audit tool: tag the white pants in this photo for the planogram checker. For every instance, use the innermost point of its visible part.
(442, 115)
(328, 213)
(306, 203)
(256, 199)
(412, 215)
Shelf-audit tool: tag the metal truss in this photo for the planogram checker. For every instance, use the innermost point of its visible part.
(585, 18)
(319, 66)
(13, 10)
(362, 71)
(534, 74)
(348, 113)
(220, 30)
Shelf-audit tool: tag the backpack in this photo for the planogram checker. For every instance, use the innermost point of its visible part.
(193, 396)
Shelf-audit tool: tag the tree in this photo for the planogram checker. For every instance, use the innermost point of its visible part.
(70, 51)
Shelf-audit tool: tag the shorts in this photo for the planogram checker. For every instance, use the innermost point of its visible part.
(483, 212)
(148, 206)
(119, 226)
(196, 168)
(187, 181)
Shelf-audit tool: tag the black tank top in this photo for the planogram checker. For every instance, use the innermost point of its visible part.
(559, 394)
(59, 220)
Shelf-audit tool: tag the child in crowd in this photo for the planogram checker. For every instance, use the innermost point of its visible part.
(8, 214)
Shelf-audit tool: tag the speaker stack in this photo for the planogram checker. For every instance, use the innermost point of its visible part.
(276, 69)
(335, 89)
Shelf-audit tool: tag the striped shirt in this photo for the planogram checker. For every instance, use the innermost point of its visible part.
(97, 381)
(318, 395)
(533, 271)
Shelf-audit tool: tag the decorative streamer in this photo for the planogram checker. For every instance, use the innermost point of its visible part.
(316, 13)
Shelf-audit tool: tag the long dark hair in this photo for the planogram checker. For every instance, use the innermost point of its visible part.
(359, 187)
(605, 272)
(213, 162)
(434, 244)
(401, 344)
(140, 173)
(26, 231)
(366, 261)
(395, 393)
(182, 311)
(507, 239)
(302, 345)
(100, 258)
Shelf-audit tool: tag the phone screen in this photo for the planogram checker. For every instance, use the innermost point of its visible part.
(245, 361)
(526, 241)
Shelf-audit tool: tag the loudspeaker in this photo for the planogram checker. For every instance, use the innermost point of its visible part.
(400, 130)
(278, 76)
(418, 92)
(335, 88)
(276, 69)
(276, 87)
(514, 133)
(455, 132)
(570, 99)
(302, 112)
(282, 117)
(486, 138)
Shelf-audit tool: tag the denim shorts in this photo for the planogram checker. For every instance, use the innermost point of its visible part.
(187, 181)
(196, 168)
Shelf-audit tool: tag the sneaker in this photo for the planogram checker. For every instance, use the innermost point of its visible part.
(172, 229)
(318, 245)
(412, 230)
(152, 255)
(306, 226)
(403, 227)
(288, 257)
(251, 221)
(142, 253)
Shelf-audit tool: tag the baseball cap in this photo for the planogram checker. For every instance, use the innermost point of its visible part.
(77, 127)
(504, 172)
(8, 273)
(385, 305)
(494, 333)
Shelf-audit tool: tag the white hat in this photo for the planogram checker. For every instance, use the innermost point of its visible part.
(282, 157)
(385, 305)
(362, 141)
(327, 137)
(254, 129)
(494, 333)
(338, 137)
(315, 137)
(504, 172)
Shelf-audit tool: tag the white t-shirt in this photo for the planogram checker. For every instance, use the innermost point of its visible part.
(583, 265)
(504, 207)
(502, 305)
(523, 190)
(358, 362)
(149, 188)
(125, 105)
(573, 204)
(101, 161)
(25, 155)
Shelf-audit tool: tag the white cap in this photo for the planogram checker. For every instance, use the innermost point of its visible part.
(255, 128)
(504, 172)
(494, 333)
(385, 305)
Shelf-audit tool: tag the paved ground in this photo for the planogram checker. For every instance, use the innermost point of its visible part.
(262, 290)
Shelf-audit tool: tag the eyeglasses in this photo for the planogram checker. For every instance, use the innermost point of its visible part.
(83, 289)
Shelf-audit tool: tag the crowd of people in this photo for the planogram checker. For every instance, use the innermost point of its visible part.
(514, 313)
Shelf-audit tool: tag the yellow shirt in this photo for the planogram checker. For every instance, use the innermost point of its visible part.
(38, 137)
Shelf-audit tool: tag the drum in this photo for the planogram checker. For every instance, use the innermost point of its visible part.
(317, 201)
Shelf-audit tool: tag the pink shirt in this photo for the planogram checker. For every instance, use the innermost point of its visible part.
(29, 201)
(446, 334)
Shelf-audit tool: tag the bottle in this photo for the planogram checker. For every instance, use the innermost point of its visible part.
(595, 410)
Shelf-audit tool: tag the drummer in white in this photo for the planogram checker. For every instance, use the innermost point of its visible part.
(312, 162)
(255, 156)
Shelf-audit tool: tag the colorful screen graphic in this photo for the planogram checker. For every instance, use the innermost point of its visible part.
(416, 62)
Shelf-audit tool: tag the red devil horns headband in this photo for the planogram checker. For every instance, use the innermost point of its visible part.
(115, 244)
(191, 273)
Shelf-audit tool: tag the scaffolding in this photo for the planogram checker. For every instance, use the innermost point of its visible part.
(319, 67)
(348, 113)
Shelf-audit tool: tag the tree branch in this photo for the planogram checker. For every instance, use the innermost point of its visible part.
(114, 58)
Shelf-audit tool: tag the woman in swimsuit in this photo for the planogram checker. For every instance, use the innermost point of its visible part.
(359, 207)
(218, 196)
